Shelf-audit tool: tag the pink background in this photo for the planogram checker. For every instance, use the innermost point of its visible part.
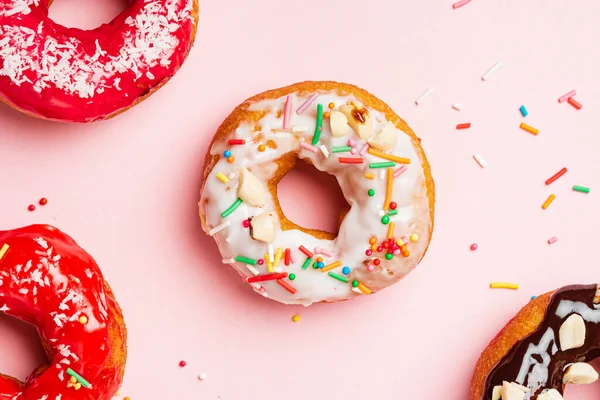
(127, 189)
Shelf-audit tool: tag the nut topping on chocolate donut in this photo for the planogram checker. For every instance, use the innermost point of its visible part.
(551, 394)
(572, 333)
(512, 391)
(580, 374)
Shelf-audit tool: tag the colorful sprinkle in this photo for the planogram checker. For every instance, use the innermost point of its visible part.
(306, 252)
(338, 277)
(341, 149)
(220, 227)
(246, 223)
(306, 263)
(286, 286)
(385, 220)
(288, 112)
(308, 147)
(231, 208)
(43, 201)
(246, 260)
(324, 150)
(236, 141)
(278, 255)
(307, 103)
(423, 96)
(332, 266)
(460, 3)
(548, 201)
(230, 159)
(530, 129)
(227, 154)
(574, 103)
(393, 205)
(382, 165)
(414, 237)
(504, 285)
(581, 189)
(392, 212)
(350, 160)
(296, 318)
(491, 71)
(369, 175)
(389, 188)
(479, 160)
(391, 157)
(400, 171)
(222, 177)
(362, 288)
(371, 192)
(523, 110)
(262, 147)
(319, 124)
(79, 378)
(354, 283)
(31, 207)
(390, 232)
(287, 257)
(457, 106)
(389, 256)
(292, 277)
(466, 125)
(364, 149)
(3, 250)
(202, 377)
(474, 247)
(567, 96)
(556, 176)
(552, 240)
(182, 363)
(346, 270)
(267, 277)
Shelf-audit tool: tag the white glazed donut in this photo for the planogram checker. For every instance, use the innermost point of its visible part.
(260, 142)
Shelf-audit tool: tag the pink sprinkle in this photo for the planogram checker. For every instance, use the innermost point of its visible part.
(326, 253)
(400, 171)
(307, 103)
(364, 149)
(246, 223)
(317, 250)
(351, 142)
(353, 151)
(292, 257)
(567, 96)
(288, 112)
(260, 261)
(460, 4)
(368, 252)
(474, 247)
(552, 240)
(308, 147)
(397, 252)
(371, 267)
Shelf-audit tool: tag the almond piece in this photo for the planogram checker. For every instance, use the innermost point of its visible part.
(263, 227)
(580, 374)
(572, 333)
(339, 124)
(385, 139)
(511, 391)
(551, 394)
(251, 189)
(496, 393)
(359, 119)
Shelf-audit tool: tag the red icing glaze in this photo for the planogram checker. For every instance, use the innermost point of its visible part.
(73, 75)
(47, 280)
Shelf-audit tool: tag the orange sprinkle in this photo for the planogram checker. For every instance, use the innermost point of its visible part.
(326, 114)
(406, 253)
(391, 227)
(548, 201)
(319, 259)
(372, 240)
(374, 248)
(399, 242)
(369, 175)
(530, 129)
(388, 191)
(391, 157)
(363, 288)
(231, 159)
(261, 148)
(331, 266)
(331, 105)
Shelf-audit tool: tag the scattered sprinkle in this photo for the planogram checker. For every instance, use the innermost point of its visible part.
(227, 154)
(83, 320)
(480, 160)
(574, 103)
(362, 287)
(43, 201)
(466, 125)
(286, 286)
(306, 263)
(324, 150)
(400, 171)
(388, 189)
(556, 176)
(523, 110)
(457, 106)
(341, 149)
(340, 278)
(581, 189)
(369, 175)
(307, 103)
(308, 147)
(385, 220)
(202, 376)
(288, 112)
(182, 363)
(220, 227)
(350, 160)
(382, 164)
(390, 232)
(492, 70)
(371, 193)
(548, 201)
(287, 257)
(504, 285)
(414, 237)
(236, 141)
(460, 3)
(530, 129)
(267, 277)
(423, 96)
(307, 252)
(552, 240)
(567, 96)
(246, 260)
(3, 250)
(346, 270)
(391, 157)
(222, 177)
(319, 124)
(296, 318)
(331, 266)
(262, 147)
(231, 208)
(31, 207)
(364, 149)
(79, 378)
(474, 247)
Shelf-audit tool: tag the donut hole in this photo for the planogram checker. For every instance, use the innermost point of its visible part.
(22, 351)
(584, 392)
(85, 14)
(312, 199)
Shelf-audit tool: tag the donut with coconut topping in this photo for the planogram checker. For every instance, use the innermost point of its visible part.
(47, 280)
(546, 346)
(73, 75)
(339, 129)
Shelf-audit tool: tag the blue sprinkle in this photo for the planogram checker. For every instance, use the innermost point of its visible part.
(345, 270)
(321, 264)
(227, 154)
(523, 111)
(533, 297)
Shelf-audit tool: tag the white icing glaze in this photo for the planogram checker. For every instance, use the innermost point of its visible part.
(361, 223)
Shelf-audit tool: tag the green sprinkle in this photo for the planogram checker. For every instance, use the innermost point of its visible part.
(231, 208)
(306, 263)
(316, 265)
(371, 192)
(338, 277)
(246, 260)
(340, 149)
(385, 220)
(319, 124)
(382, 164)
(292, 277)
(581, 189)
(79, 378)
(392, 212)
(354, 283)
(389, 256)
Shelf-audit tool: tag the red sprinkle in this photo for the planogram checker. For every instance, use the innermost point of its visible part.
(463, 126)
(556, 176)
(574, 103)
(43, 201)
(379, 249)
(393, 205)
(286, 286)
(237, 141)
(368, 252)
(267, 277)
(384, 245)
(260, 261)
(287, 257)
(246, 223)
(350, 160)
(306, 251)
(182, 363)
(376, 261)
(474, 247)
(31, 207)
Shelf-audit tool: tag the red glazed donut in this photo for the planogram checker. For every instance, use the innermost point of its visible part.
(73, 75)
(47, 280)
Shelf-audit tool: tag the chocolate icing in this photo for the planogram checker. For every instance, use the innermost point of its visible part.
(566, 301)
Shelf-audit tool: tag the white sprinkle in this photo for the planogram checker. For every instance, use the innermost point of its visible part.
(219, 228)
(457, 106)
(231, 176)
(253, 270)
(228, 261)
(271, 251)
(492, 70)
(480, 160)
(364, 149)
(422, 97)
(382, 173)
(202, 376)
(324, 150)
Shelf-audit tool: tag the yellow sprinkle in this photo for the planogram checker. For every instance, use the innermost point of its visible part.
(269, 263)
(278, 256)
(296, 318)
(83, 320)
(73, 380)
(414, 237)
(331, 266)
(363, 288)
(369, 175)
(504, 285)
(391, 227)
(3, 250)
(548, 201)
(400, 242)
(222, 177)
(391, 157)
(77, 386)
(530, 129)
